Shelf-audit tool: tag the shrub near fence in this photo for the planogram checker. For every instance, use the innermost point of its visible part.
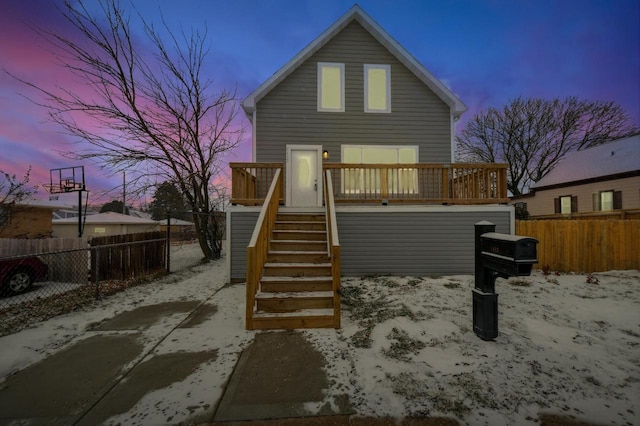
(585, 245)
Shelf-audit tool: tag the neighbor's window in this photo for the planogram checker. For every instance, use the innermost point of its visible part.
(377, 88)
(606, 200)
(375, 180)
(330, 87)
(565, 204)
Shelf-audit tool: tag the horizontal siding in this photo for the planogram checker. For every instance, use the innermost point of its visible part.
(242, 225)
(411, 243)
(416, 243)
(288, 114)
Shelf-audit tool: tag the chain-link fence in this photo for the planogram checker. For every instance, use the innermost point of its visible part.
(37, 287)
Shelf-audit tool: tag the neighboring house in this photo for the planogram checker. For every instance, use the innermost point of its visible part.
(103, 224)
(139, 213)
(27, 219)
(598, 179)
(72, 212)
(355, 106)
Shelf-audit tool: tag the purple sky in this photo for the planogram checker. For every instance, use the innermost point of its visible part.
(488, 52)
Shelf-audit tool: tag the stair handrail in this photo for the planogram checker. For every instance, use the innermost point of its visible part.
(333, 243)
(258, 247)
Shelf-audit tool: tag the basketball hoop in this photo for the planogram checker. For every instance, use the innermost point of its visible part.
(68, 179)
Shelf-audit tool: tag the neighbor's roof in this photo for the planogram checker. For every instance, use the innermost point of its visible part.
(108, 218)
(174, 221)
(45, 204)
(357, 14)
(609, 159)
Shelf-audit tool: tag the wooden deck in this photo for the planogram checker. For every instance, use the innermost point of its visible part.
(456, 183)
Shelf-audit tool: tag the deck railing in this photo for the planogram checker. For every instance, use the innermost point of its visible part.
(250, 182)
(419, 183)
(258, 247)
(459, 183)
(333, 243)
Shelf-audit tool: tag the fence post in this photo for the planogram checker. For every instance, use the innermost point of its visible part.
(97, 272)
(168, 242)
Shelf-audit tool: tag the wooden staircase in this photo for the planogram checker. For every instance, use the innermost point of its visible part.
(296, 285)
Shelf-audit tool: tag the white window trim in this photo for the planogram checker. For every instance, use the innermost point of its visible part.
(367, 67)
(319, 84)
(359, 190)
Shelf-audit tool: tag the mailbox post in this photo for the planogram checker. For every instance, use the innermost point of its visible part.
(496, 255)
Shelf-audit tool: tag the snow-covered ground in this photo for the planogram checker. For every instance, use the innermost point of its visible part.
(568, 344)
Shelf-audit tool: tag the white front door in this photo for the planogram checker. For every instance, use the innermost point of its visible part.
(304, 170)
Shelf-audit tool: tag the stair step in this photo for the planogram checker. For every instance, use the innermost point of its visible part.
(298, 284)
(290, 256)
(293, 301)
(298, 245)
(297, 269)
(301, 217)
(300, 225)
(293, 294)
(307, 318)
(295, 234)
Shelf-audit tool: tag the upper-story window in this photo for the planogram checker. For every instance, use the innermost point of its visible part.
(330, 87)
(377, 88)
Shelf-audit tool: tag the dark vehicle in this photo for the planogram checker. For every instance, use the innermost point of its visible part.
(17, 275)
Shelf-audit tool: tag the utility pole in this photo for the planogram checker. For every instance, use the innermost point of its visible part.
(124, 192)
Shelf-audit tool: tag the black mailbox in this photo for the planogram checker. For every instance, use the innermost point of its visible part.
(496, 255)
(508, 255)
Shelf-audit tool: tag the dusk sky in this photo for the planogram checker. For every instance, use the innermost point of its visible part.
(487, 52)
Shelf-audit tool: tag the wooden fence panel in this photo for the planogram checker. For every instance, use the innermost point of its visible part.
(125, 256)
(66, 258)
(585, 245)
(17, 247)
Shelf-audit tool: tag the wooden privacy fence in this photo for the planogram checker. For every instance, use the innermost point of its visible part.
(120, 257)
(585, 245)
(66, 258)
(17, 247)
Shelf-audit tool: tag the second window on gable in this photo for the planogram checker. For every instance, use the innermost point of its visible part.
(377, 88)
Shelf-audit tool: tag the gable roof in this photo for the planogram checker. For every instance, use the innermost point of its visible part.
(358, 15)
(609, 159)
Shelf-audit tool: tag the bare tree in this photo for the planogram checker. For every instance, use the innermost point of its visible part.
(13, 191)
(147, 111)
(533, 135)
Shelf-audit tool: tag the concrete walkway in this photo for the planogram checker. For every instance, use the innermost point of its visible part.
(108, 370)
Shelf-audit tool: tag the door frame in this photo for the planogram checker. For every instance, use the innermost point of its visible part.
(289, 180)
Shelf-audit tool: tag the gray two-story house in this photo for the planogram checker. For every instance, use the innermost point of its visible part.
(353, 174)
